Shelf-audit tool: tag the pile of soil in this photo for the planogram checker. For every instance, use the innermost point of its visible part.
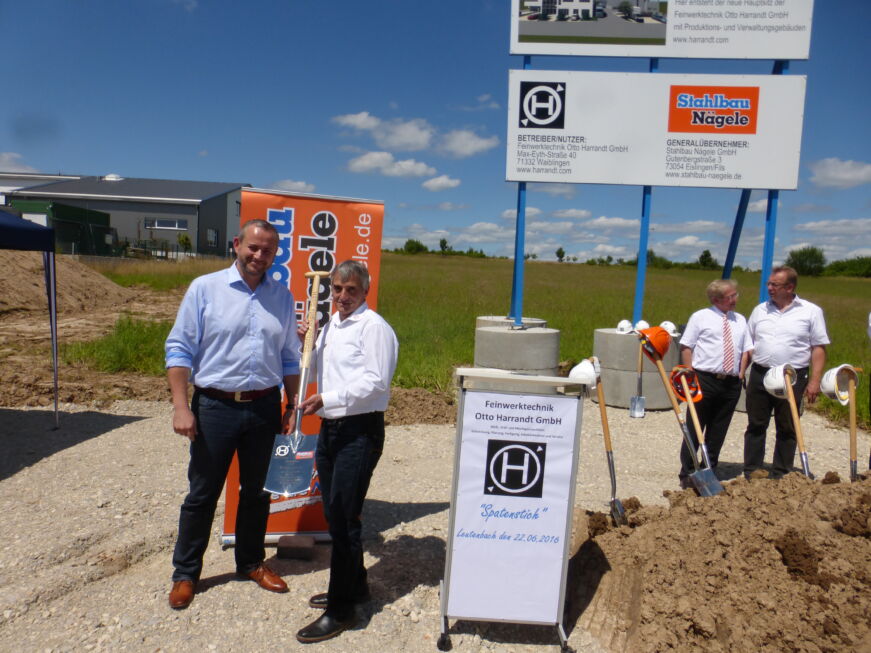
(766, 566)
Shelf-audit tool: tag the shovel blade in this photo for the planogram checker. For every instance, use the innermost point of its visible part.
(636, 406)
(706, 483)
(618, 513)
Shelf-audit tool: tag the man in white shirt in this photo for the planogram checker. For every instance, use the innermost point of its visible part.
(785, 330)
(355, 358)
(716, 344)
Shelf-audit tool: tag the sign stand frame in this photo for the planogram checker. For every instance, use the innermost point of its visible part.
(512, 385)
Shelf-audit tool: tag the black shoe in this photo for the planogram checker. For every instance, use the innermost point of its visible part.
(319, 601)
(324, 627)
(686, 483)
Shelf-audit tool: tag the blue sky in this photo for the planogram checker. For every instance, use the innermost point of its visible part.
(403, 102)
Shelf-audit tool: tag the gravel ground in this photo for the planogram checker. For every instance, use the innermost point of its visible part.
(90, 515)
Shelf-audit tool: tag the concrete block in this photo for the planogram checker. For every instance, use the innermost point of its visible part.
(533, 350)
(501, 320)
(621, 385)
(619, 351)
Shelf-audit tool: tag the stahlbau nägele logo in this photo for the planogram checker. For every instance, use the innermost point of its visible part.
(713, 109)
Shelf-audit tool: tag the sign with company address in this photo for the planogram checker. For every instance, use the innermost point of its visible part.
(709, 29)
(719, 131)
(511, 509)
(315, 233)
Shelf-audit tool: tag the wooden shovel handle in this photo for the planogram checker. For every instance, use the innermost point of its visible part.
(668, 389)
(640, 357)
(606, 431)
(851, 391)
(691, 406)
(311, 320)
(790, 397)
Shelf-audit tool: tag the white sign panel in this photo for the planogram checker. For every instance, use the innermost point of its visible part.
(710, 29)
(510, 510)
(720, 131)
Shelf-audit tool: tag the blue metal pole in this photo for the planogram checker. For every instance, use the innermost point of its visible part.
(736, 232)
(768, 246)
(516, 311)
(641, 272)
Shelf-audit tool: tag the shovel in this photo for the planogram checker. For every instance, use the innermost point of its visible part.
(618, 513)
(704, 476)
(291, 467)
(636, 403)
(854, 453)
(790, 397)
(703, 480)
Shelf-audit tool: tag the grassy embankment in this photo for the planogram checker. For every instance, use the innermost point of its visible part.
(432, 302)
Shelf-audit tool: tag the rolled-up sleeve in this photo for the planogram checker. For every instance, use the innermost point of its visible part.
(182, 344)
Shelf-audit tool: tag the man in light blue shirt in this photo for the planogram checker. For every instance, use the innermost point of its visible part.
(235, 339)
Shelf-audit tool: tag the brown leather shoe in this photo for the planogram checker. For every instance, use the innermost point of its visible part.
(181, 594)
(267, 579)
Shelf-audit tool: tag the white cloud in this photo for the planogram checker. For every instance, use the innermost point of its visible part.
(560, 228)
(556, 190)
(603, 222)
(294, 186)
(690, 241)
(11, 162)
(760, 206)
(442, 182)
(511, 214)
(486, 232)
(580, 214)
(384, 163)
(450, 206)
(810, 207)
(701, 226)
(463, 143)
(612, 250)
(851, 228)
(363, 120)
(835, 173)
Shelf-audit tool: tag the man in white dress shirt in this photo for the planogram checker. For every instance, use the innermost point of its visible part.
(716, 344)
(355, 357)
(785, 330)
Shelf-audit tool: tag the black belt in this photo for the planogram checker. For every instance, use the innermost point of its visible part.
(244, 395)
(762, 369)
(718, 375)
(350, 419)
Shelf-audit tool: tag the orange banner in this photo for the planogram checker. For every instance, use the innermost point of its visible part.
(316, 233)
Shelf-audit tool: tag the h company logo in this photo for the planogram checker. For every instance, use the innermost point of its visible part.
(515, 468)
(542, 105)
(713, 109)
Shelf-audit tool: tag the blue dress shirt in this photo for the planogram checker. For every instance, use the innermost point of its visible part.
(233, 338)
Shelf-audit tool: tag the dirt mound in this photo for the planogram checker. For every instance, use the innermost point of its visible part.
(766, 566)
(79, 288)
(419, 406)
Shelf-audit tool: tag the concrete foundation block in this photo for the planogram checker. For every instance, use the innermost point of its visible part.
(533, 351)
(501, 320)
(619, 351)
(621, 385)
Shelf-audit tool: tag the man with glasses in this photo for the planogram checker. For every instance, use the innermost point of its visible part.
(716, 344)
(785, 330)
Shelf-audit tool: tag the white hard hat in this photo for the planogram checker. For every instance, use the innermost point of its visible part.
(624, 326)
(641, 324)
(670, 327)
(584, 372)
(774, 382)
(834, 383)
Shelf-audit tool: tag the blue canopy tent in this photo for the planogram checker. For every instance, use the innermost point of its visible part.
(17, 233)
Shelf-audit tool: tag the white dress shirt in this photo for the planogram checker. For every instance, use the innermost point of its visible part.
(704, 335)
(782, 337)
(355, 359)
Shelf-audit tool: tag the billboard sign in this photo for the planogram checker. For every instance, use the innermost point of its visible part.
(718, 131)
(709, 29)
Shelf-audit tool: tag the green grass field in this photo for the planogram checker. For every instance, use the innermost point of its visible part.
(432, 302)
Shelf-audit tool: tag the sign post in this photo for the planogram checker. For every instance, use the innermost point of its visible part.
(513, 492)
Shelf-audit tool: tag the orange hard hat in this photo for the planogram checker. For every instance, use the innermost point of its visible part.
(655, 342)
(679, 371)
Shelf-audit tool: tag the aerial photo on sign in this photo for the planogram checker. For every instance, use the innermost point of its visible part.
(717, 131)
(714, 29)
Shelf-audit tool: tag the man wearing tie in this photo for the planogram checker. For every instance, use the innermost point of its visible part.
(716, 344)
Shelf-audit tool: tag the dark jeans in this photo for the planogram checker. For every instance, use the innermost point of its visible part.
(760, 406)
(348, 451)
(225, 427)
(715, 410)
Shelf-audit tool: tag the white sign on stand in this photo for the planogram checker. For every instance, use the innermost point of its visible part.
(513, 493)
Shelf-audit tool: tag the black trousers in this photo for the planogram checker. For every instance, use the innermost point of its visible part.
(715, 410)
(760, 406)
(347, 453)
(225, 427)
